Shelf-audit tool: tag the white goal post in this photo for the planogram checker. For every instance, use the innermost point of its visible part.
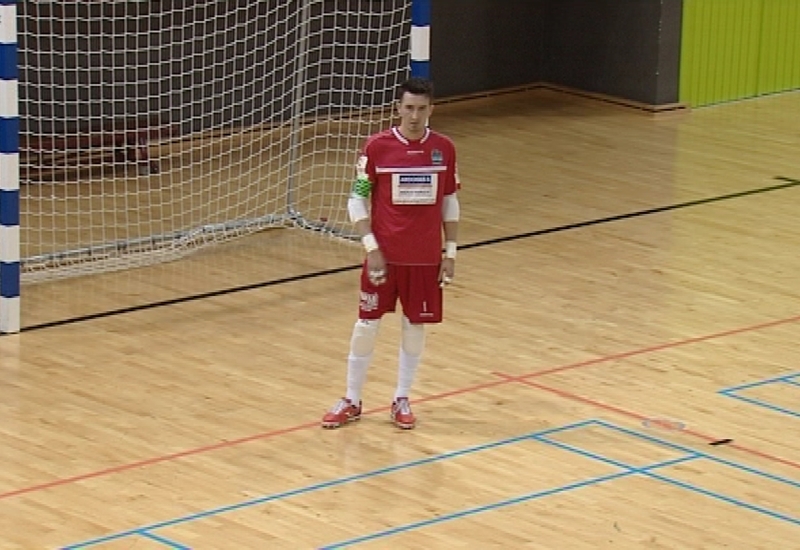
(144, 130)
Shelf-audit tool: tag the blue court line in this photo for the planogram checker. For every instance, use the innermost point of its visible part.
(782, 378)
(786, 379)
(761, 403)
(690, 454)
(675, 482)
(323, 485)
(162, 540)
(503, 503)
(701, 454)
(724, 498)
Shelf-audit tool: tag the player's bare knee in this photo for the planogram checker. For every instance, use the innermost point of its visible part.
(365, 333)
(413, 337)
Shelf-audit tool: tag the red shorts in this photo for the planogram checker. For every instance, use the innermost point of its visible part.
(417, 287)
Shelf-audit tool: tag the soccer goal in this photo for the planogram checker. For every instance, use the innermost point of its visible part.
(148, 130)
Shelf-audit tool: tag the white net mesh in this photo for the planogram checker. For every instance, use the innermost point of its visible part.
(150, 129)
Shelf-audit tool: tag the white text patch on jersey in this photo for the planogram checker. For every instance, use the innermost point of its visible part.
(417, 188)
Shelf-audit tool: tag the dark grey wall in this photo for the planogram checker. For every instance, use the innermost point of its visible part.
(482, 45)
(623, 48)
(669, 52)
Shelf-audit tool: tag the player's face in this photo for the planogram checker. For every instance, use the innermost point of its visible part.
(414, 111)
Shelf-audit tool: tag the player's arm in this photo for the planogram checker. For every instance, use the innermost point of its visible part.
(358, 208)
(358, 204)
(451, 214)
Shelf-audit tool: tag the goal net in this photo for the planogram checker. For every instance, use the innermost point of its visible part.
(151, 129)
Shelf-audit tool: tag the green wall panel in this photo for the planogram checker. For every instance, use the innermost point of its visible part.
(780, 48)
(733, 49)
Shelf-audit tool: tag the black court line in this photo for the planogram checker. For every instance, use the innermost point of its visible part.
(787, 183)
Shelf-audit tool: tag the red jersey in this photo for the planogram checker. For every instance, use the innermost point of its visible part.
(409, 180)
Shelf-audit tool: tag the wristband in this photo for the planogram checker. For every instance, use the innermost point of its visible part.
(369, 242)
(450, 248)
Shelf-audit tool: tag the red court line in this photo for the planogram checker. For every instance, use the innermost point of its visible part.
(223, 445)
(283, 431)
(154, 460)
(643, 418)
(658, 347)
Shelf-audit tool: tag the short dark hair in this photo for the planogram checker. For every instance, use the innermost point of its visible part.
(416, 86)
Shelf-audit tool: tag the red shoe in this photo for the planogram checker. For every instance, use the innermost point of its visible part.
(401, 414)
(343, 412)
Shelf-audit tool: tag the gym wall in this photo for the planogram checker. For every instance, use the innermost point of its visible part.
(623, 48)
(734, 49)
(655, 52)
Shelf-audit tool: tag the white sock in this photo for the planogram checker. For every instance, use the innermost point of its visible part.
(356, 376)
(406, 369)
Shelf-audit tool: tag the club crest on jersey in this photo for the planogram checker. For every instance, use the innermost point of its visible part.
(436, 157)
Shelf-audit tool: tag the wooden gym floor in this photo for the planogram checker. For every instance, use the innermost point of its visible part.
(618, 367)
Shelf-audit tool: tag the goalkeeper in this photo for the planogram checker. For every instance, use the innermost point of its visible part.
(403, 202)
